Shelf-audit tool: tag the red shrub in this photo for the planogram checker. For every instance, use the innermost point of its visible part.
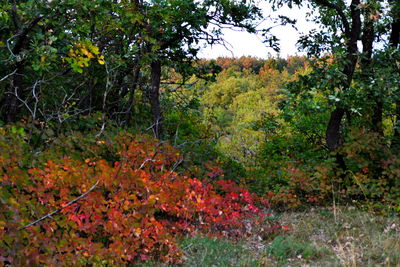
(137, 209)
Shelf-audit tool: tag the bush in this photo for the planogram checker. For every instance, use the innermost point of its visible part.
(130, 209)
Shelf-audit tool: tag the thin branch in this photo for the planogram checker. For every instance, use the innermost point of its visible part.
(101, 130)
(23, 101)
(144, 163)
(60, 209)
(8, 75)
(190, 142)
(176, 164)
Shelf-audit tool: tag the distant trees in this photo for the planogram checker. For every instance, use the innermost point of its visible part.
(237, 106)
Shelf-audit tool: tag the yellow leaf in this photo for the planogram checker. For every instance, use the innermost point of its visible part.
(71, 53)
(94, 49)
(138, 232)
(86, 52)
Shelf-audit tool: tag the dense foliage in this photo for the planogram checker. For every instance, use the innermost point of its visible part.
(85, 85)
(135, 207)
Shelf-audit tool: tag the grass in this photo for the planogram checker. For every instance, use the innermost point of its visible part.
(284, 247)
(342, 236)
(204, 251)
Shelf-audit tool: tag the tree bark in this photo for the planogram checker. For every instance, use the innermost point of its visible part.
(155, 98)
(333, 137)
(135, 84)
(11, 102)
(15, 87)
(333, 134)
(368, 41)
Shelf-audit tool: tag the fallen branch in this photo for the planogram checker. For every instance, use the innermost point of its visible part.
(60, 209)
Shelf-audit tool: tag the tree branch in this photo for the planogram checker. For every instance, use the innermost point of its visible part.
(340, 13)
(24, 32)
(8, 75)
(60, 209)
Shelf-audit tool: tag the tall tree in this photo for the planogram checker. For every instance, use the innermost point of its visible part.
(131, 40)
(344, 25)
(174, 29)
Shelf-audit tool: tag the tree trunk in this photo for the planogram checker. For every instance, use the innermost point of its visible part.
(368, 41)
(155, 98)
(333, 134)
(377, 118)
(15, 88)
(333, 137)
(135, 83)
(394, 42)
(11, 102)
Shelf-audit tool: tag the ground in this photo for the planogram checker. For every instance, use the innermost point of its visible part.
(336, 236)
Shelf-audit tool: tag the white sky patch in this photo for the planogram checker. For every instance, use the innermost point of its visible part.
(246, 44)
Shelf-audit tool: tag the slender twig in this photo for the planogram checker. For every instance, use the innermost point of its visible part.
(190, 142)
(176, 164)
(144, 163)
(60, 209)
(8, 75)
(101, 130)
(23, 101)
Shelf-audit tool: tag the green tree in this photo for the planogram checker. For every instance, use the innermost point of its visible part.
(119, 46)
(343, 26)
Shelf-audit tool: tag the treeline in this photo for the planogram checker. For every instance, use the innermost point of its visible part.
(255, 65)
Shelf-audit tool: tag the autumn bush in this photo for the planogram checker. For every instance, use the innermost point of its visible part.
(133, 206)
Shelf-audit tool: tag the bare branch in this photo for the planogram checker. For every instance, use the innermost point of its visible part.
(176, 164)
(144, 163)
(103, 126)
(60, 209)
(8, 75)
(23, 101)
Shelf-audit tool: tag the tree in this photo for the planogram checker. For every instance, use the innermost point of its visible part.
(132, 42)
(343, 25)
(174, 29)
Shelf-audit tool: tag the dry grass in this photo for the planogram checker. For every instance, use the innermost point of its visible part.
(337, 237)
(325, 237)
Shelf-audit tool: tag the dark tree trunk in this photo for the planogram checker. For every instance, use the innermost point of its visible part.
(155, 98)
(135, 84)
(333, 134)
(394, 42)
(368, 41)
(377, 117)
(15, 87)
(396, 141)
(333, 137)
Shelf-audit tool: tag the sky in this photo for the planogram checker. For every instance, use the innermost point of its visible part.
(246, 44)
